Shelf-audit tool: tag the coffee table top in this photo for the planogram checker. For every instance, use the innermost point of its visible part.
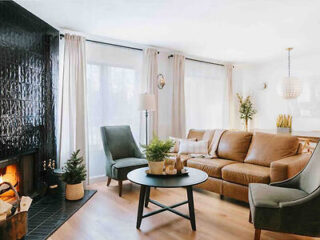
(194, 177)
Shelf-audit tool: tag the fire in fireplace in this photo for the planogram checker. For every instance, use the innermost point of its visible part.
(9, 174)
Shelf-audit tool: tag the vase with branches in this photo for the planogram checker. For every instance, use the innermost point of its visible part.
(246, 109)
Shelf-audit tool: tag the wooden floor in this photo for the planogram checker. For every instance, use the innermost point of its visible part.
(107, 216)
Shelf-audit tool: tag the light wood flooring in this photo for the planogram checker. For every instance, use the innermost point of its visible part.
(107, 216)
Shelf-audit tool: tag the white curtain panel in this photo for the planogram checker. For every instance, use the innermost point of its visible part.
(113, 86)
(72, 110)
(178, 126)
(149, 85)
(230, 113)
(205, 88)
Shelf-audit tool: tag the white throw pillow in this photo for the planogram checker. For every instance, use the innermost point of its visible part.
(176, 141)
(187, 147)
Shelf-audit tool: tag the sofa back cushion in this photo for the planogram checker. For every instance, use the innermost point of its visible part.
(234, 145)
(266, 148)
(197, 134)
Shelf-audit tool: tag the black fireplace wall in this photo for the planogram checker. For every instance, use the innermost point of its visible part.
(29, 50)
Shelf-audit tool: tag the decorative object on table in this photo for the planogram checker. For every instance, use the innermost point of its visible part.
(74, 175)
(170, 171)
(13, 224)
(122, 153)
(290, 87)
(161, 81)
(156, 152)
(147, 103)
(179, 164)
(284, 123)
(246, 109)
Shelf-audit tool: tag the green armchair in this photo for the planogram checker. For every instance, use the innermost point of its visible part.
(291, 206)
(122, 153)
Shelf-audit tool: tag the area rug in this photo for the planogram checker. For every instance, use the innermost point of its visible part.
(46, 215)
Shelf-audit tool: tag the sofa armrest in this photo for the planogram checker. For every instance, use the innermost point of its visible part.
(288, 167)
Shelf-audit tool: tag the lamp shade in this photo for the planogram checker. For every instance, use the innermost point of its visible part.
(147, 102)
(290, 87)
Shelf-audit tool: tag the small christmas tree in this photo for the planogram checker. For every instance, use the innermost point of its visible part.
(75, 169)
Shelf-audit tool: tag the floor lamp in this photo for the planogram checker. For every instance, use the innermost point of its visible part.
(147, 103)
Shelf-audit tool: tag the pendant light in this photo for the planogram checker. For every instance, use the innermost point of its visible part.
(290, 87)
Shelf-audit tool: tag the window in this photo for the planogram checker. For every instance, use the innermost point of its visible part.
(205, 88)
(113, 84)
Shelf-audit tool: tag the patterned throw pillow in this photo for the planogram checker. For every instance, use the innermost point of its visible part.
(176, 146)
(188, 147)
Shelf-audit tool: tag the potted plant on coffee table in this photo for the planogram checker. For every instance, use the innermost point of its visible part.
(156, 152)
(74, 174)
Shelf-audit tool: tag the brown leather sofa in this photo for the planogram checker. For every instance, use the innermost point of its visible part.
(244, 157)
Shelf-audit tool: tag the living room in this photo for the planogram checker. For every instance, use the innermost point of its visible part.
(157, 119)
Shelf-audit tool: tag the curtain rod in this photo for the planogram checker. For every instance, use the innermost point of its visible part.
(111, 44)
(196, 60)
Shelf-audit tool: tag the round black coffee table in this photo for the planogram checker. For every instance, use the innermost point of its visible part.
(140, 177)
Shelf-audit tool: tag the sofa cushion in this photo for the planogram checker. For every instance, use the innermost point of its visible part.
(177, 141)
(266, 148)
(245, 173)
(234, 145)
(263, 195)
(194, 133)
(188, 147)
(211, 166)
(123, 166)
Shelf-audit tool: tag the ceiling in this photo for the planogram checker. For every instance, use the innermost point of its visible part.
(226, 30)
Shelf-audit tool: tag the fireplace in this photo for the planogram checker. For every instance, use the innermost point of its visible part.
(20, 172)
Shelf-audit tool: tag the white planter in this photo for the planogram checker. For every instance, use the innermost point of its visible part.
(156, 167)
(74, 191)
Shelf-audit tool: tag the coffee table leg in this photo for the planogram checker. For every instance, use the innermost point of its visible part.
(140, 207)
(191, 208)
(147, 196)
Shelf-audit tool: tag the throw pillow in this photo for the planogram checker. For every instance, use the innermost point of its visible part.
(175, 148)
(187, 147)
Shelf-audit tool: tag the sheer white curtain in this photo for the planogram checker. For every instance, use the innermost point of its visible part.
(178, 96)
(205, 89)
(113, 87)
(149, 85)
(72, 99)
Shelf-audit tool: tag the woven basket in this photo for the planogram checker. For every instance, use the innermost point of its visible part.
(74, 191)
(15, 226)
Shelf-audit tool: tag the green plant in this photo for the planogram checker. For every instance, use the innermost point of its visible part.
(246, 108)
(74, 169)
(157, 150)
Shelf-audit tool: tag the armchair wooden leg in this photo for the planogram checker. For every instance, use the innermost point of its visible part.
(108, 181)
(257, 233)
(250, 217)
(221, 197)
(120, 188)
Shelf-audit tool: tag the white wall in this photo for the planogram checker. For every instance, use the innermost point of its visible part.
(305, 109)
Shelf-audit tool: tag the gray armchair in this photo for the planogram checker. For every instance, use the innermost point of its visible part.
(291, 206)
(122, 153)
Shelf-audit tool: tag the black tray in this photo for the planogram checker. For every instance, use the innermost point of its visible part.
(183, 173)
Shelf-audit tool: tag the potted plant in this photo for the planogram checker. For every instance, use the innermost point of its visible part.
(284, 123)
(74, 174)
(246, 109)
(156, 152)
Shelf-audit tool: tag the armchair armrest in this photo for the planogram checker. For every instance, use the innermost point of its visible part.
(288, 167)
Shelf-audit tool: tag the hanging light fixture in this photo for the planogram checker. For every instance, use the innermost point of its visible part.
(290, 87)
